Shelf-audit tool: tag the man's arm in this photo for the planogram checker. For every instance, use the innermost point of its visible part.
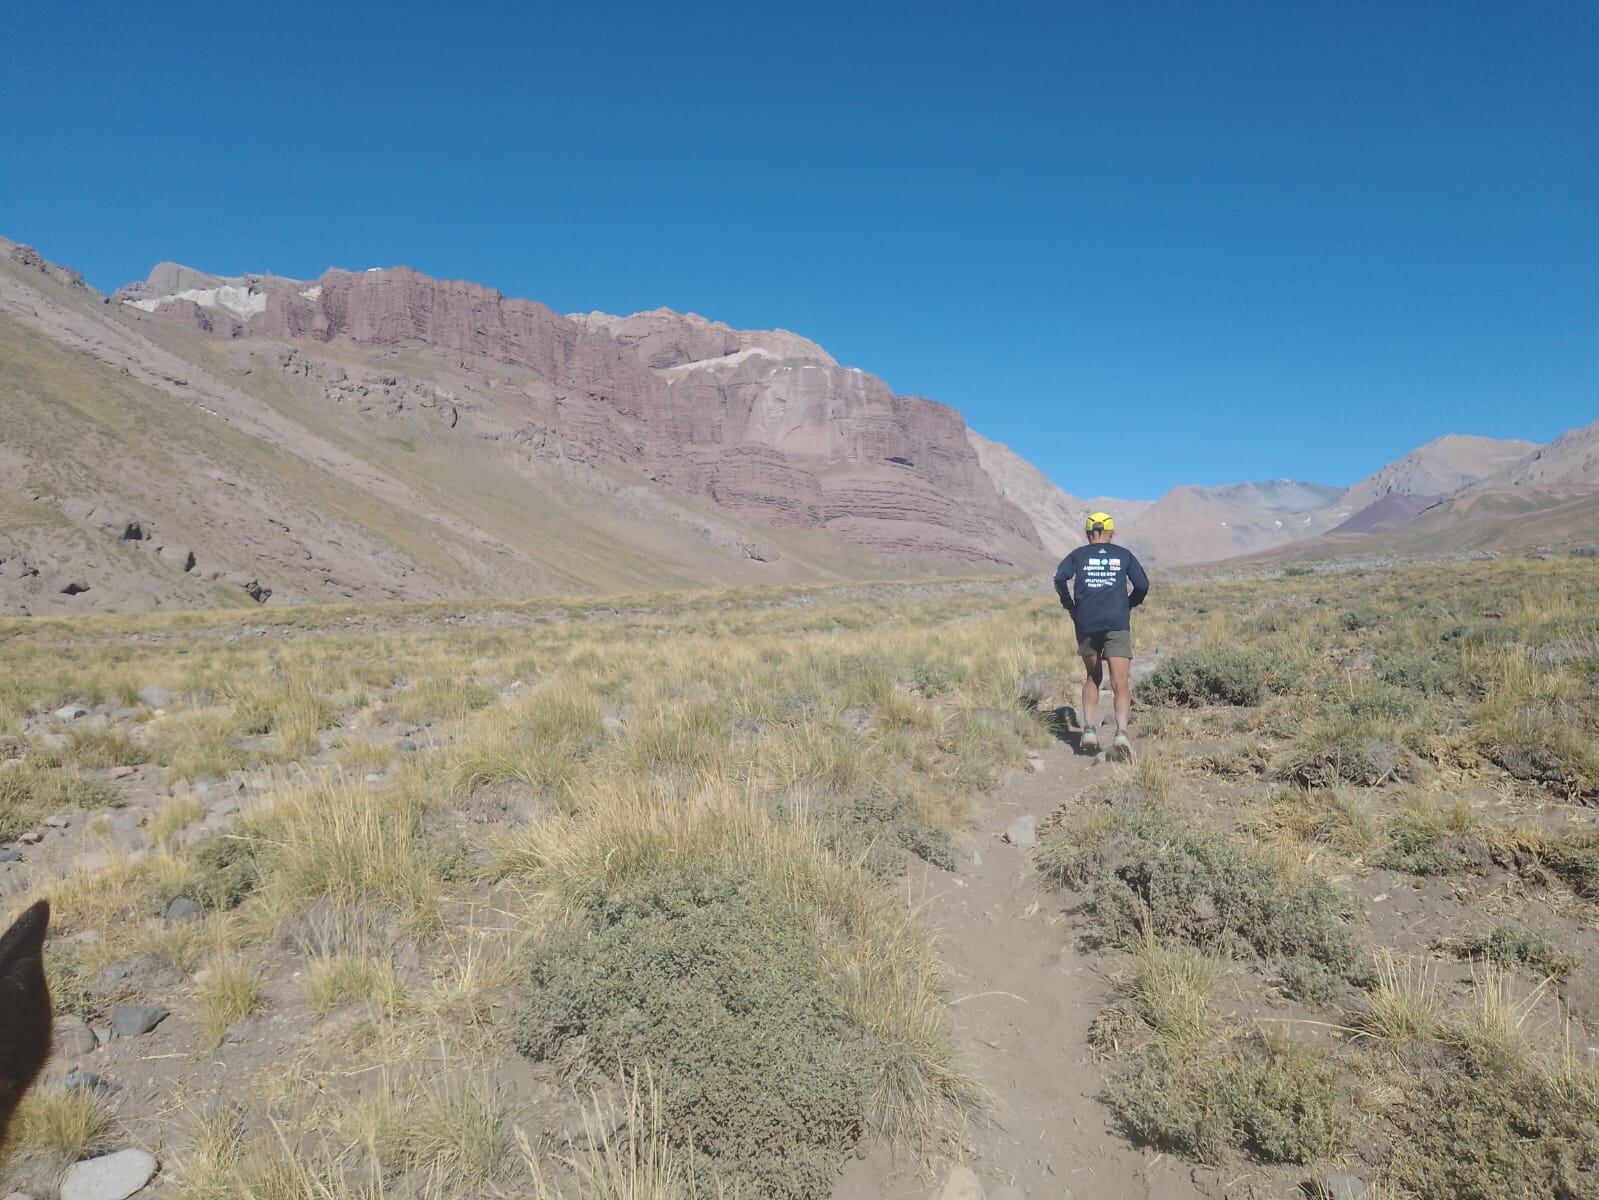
(1140, 582)
(1063, 580)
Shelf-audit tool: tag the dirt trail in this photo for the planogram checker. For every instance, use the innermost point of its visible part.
(1023, 997)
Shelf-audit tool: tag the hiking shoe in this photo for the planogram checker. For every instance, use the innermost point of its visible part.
(1089, 742)
(1121, 746)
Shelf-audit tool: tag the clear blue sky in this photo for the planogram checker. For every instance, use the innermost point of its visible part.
(1237, 240)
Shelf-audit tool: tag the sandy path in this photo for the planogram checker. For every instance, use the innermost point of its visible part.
(1023, 997)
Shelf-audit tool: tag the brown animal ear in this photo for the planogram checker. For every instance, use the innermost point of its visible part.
(24, 1007)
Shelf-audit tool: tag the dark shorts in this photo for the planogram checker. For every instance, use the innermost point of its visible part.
(1113, 643)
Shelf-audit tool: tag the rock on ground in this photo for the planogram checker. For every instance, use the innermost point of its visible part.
(960, 1184)
(1023, 831)
(131, 1020)
(109, 1177)
(155, 696)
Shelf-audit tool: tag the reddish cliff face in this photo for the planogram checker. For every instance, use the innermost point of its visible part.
(765, 424)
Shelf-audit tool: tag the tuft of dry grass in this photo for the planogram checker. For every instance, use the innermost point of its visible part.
(1171, 987)
(231, 991)
(63, 1123)
(1402, 1007)
(335, 979)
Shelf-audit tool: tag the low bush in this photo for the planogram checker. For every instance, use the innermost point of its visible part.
(1517, 948)
(718, 988)
(1277, 1103)
(1498, 1136)
(1145, 874)
(1217, 675)
(1421, 671)
(1338, 750)
(1424, 840)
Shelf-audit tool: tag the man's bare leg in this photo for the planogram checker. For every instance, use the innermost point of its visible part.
(1119, 668)
(1093, 675)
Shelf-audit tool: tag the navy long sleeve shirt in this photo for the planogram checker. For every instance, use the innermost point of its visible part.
(1092, 583)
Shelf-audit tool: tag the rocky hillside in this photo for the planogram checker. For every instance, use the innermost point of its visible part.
(1439, 468)
(197, 439)
(1200, 524)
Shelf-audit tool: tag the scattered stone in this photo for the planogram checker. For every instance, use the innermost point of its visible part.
(124, 714)
(133, 1020)
(129, 820)
(79, 1080)
(124, 772)
(1023, 831)
(58, 821)
(405, 746)
(9, 855)
(109, 1177)
(1036, 688)
(1553, 654)
(142, 972)
(1340, 1185)
(74, 1037)
(184, 911)
(52, 741)
(960, 1184)
(155, 696)
(71, 712)
(32, 838)
(84, 937)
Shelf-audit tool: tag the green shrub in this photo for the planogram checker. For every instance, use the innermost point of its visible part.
(1278, 1104)
(1517, 948)
(1423, 672)
(1423, 841)
(227, 870)
(1338, 750)
(1492, 1136)
(1358, 618)
(716, 985)
(1217, 675)
(28, 792)
(1376, 701)
(1144, 873)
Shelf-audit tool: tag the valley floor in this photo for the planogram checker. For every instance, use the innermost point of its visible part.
(707, 894)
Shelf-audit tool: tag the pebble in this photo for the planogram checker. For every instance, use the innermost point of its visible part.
(73, 1037)
(78, 1080)
(131, 1020)
(109, 1177)
(155, 696)
(1340, 1185)
(184, 911)
(960, 1184)
(1023, 831)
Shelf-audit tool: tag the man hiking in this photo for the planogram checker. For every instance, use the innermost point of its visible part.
(1092, 584)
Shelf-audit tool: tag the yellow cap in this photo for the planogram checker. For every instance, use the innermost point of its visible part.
(1100, 523)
